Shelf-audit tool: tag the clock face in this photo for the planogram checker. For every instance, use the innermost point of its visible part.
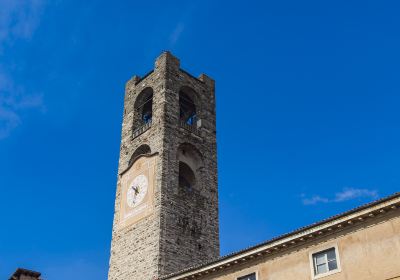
(137, 191)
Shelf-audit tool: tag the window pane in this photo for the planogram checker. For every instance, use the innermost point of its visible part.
(248, 277)
(320, 259)
(332, 265)
(331, 254)
(322, 268)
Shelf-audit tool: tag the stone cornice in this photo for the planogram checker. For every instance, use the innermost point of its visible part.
(130, 165)
(326, 227)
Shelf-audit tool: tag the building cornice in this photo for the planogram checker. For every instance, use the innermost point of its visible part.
(25, 272)
(300, 236)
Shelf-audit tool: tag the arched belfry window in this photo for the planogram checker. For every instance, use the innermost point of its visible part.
(141, 150)
(144, 108)
(187, 106)
(187, 179)
(190, 164)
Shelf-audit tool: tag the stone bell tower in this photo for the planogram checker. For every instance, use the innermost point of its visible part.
(166, 207)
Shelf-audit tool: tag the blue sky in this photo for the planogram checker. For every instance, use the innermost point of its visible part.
(308, 98)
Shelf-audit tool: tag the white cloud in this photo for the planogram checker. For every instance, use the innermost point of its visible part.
(13, 101)
(314, 200)
(8, 121)
(344, 195)
(18, 19)
(187, 14)
(176, 33)
(352, 193)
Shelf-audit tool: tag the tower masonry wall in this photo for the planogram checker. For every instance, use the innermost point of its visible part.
(134, 249)
(190, 231)
(183, 228)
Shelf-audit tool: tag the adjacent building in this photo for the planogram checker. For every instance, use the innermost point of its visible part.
(25, 274)
(361, 244)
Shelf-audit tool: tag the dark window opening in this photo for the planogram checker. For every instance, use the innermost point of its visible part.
(144, 108)
(187, 179)
(187, 108)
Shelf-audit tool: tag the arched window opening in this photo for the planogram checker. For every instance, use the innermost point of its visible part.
(187, 179)
(187, 106)
(190, 168)
(141, 150)
(147, 111)
(144, 107)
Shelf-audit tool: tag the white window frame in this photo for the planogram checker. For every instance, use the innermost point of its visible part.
(320, 250)
(246, 274)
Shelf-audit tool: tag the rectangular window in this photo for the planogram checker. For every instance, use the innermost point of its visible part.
(325, 261)
(248, 277)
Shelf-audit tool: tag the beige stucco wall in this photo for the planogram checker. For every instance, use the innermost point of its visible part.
(367, 252)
